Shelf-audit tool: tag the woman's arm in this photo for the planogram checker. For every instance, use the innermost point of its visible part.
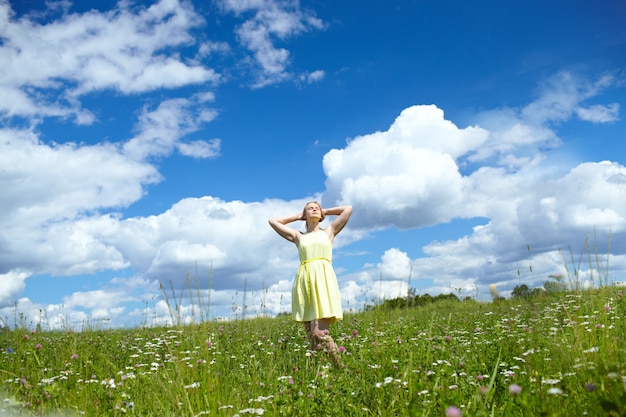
(343, 215)
(279, 224)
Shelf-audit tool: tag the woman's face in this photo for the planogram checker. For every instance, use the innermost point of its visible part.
(312, 210)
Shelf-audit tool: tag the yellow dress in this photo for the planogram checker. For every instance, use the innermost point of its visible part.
(315, 292)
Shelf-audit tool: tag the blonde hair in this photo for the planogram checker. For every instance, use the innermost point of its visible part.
(322, 217)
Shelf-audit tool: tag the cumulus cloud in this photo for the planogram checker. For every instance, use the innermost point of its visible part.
(48, 316)
(55, 181)
(214, 237)
(410, 176)
(53, 192)
(100, 299)
(13, 283)
(406, 176)
(395, 264)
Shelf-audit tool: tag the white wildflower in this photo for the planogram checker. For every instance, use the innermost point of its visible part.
(257, 411)
(550, 381)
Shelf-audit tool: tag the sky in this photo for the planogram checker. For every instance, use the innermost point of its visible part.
(145, 144)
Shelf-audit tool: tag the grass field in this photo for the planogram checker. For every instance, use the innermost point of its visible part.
(560, 354)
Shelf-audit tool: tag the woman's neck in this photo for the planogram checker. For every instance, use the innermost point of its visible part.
(312, 226)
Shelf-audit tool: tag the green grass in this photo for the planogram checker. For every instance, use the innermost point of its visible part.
(552, 355)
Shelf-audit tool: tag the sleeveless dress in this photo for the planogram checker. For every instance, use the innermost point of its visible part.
(315, 292)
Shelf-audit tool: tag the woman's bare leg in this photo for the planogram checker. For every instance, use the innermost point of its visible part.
(319, 330)
(309, 335)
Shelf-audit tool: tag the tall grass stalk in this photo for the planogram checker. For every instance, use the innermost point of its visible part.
(573, 267)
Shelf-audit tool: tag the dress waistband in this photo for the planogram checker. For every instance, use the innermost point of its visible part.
(313, 259)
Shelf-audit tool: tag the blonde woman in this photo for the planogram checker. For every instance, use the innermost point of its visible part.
(315, 299)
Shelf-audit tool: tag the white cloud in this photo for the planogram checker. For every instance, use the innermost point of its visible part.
(97, 299)
(181, 252)
(406, 176)
(273, 21)
(518, 135)
(598, 113)
(48, 316)
(313, 76)
(200, 148)
(122, 49)
(366, 288)
(560, 97)
(584, 200)
(44, 182)
(13, 284)
(49, 189)
(584, 207)
(211, 234)
(161, 130)
(395, 264)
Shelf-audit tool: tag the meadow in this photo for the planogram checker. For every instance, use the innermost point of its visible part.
(553, 354)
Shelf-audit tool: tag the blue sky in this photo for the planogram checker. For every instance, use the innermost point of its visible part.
(147, 143)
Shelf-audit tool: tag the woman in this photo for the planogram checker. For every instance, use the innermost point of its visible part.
(315, 299)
